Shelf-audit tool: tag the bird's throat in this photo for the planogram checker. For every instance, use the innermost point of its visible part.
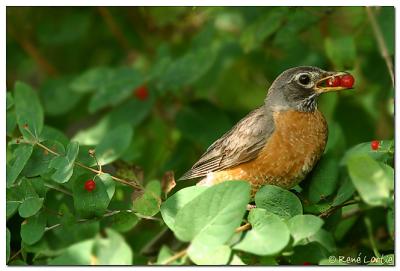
(308, 104)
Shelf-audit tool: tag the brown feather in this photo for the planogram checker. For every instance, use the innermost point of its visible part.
(239, 145)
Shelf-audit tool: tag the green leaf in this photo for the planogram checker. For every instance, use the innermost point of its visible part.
(312, 253)
(32, 229)
(58, 97)
(304, 226)
(11, 121)
(323, 179)
(8, 240)
(109, 184)
(90, 203)
(112, 250)
(386, 19)
(177, 201)
(261, 29)
(121, 85)
(20, 158)
(203, 255)
(341, 51)
(77, 254)
(149, 201)
(187, 69)
(9, 100)
(164, 254)
(236, 260)
(383, 154)
(91, 80)
(131, 112)
(30, 206)
(64, 165)
(38, 163)
(29, 110)
(278, 201)
(52, 134)
(325, 238)
(372, 181)
(122, 222)
(114, 143)
(11, 208)
(201, 220)
(346, 190)
(268, 236)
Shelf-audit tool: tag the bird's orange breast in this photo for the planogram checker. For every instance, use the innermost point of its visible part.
(289, 154)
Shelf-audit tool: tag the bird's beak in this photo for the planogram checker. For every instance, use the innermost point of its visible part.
(322, 87)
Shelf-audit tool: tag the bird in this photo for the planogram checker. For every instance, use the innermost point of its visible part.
(279, 142)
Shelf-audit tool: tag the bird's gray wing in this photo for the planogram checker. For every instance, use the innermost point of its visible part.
(241, 144)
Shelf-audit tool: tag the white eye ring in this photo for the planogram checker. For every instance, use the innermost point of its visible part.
(304, 79)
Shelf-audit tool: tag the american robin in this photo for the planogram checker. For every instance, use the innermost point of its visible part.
(278, 143)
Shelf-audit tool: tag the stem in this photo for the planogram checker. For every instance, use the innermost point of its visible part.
(381, 42)
(244, 227)
(368, 225)
(176, 256)
(58, 189)
(15, 255)
(31, 50)
(114, 28)
(123, 181)
(333, 209)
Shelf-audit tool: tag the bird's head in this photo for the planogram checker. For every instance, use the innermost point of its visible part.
(298, 88)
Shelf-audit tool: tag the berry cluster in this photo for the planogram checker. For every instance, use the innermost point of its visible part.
(346, 81)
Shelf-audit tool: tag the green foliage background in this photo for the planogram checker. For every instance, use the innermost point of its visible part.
(73, 76)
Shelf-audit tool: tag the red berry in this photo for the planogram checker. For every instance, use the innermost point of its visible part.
(347, 81)
(141, 93)
(333, 81)
(375, 145)
(90, 185)
(306, 263)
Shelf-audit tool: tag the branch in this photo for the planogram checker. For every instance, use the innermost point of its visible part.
(33, 52)
(175, 257)
(381, 42)
(131, 183)
(244, 227)
(368, 225)
(334, 208)
(114, 28)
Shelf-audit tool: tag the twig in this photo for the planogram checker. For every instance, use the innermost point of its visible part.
(15, 255)
(33, 52)
(114, 28)
(58, 189)
(175, 257)
(244, 227)
(381, 42)
(333, 209)
(126, 182)
(368, 225)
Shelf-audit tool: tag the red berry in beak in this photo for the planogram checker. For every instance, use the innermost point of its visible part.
(347, 81)
(375, 145)
(90, 185)
(333, 81)
(141, 93)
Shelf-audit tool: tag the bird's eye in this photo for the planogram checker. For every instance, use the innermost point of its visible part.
(304, 79)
